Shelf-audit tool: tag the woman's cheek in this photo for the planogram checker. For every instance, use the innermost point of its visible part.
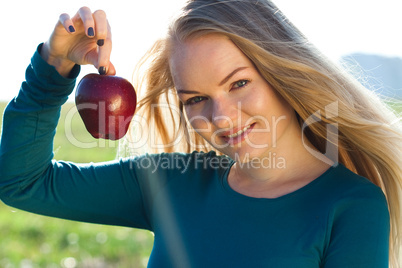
(254, 102)
(198, 121)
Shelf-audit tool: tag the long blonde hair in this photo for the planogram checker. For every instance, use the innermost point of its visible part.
(369, 133)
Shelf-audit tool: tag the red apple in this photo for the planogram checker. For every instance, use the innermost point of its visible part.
(106, 104)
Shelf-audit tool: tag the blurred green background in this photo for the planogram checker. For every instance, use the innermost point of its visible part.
(29, 240)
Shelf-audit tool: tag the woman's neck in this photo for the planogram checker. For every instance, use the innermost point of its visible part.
(291, 167)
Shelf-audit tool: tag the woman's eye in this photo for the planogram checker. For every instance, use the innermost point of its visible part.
(240, 84)
(194, 100)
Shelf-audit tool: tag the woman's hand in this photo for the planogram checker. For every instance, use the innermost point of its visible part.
(83, 39)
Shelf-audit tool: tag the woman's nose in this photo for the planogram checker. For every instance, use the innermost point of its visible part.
(224, 113)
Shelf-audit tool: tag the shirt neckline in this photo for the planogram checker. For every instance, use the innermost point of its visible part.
(226, 187)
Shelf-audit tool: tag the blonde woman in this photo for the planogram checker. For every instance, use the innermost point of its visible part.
(271, 156)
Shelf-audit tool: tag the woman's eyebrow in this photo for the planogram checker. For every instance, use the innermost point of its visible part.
(231, 74)
(183, 91)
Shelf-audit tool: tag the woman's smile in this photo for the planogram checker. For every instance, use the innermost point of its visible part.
(237, 136)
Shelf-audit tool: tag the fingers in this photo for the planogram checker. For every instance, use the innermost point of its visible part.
(96, 27)
(82, 18)
(67, 23)
(104, 50)
(87, 19)
(102, 26)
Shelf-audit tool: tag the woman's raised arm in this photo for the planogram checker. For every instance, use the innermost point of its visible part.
(106, 193)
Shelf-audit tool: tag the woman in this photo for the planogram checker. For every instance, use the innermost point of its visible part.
(303, 168)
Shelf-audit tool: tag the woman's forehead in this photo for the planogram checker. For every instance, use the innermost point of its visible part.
(210, 56)
(212, 52)
(205, 44)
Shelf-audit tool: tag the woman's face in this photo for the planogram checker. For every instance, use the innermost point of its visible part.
(227, 101)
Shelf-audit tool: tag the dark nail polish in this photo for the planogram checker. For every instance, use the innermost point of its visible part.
(91, 31)
(101, 42)
(102, 70)
(71, 28)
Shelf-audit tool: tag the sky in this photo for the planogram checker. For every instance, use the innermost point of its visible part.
(336, 27)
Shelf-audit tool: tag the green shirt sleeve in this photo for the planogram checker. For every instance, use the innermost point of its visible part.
(30, 180)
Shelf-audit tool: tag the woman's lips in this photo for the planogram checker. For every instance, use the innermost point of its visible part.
(232, 137)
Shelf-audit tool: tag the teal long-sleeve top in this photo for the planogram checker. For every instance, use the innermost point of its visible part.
(338, 220)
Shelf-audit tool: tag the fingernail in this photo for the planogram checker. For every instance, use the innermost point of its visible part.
(102, 70)
(91, 31)
(71, 28)
(100, 42)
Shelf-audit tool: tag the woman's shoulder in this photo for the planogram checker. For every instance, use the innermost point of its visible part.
(347, 189)
(345, 180)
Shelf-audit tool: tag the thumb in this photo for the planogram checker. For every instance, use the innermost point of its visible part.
(109, 69)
